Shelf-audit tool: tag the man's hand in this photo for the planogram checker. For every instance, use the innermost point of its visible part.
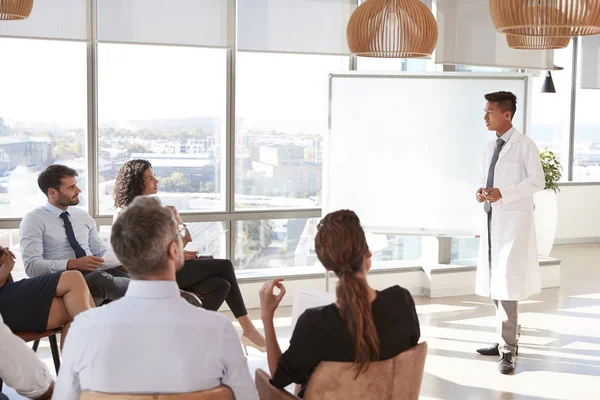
(480, 196)
(87, 263)
(189, 255)
(492, 195)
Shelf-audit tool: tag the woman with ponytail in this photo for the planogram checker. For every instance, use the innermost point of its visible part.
(363, 325)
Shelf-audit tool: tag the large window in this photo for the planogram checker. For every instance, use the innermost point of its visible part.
(43, 117)
(281, 119)
(550, 112)
(586, 162)
(167, 105)
(228, 103)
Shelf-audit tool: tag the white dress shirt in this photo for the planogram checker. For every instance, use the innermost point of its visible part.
(152, 341)
(44, 245)
(19, 366)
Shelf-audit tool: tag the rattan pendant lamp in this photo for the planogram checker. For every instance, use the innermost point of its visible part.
(537, 42)
(392, 29)
(15, 9)
(551, 18)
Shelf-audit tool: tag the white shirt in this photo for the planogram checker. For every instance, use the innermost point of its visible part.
(152, 341)
(19, 366)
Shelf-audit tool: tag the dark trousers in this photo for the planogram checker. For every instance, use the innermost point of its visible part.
(110, 284)
(215, 279)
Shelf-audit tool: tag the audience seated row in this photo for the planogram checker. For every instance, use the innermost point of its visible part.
(148, 339)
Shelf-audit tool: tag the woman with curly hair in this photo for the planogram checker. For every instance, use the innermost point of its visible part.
(214, 278)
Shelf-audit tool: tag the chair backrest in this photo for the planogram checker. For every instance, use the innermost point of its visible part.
(398, 378)
(218, 393)
(266, 391)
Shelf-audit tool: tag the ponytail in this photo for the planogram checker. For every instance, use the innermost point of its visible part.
(341, 247)
(355, 309)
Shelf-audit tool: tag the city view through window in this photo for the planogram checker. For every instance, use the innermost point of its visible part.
(168, 104)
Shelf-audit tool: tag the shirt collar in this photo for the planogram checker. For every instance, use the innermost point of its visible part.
(152, 289)
(508, 134)
(54, 210)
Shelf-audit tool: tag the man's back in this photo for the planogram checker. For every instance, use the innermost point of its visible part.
(152, 341)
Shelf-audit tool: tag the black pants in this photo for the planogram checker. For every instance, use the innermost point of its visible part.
(215, 279)
(110, 284)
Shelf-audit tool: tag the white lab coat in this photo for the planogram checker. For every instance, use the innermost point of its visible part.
(515, 270)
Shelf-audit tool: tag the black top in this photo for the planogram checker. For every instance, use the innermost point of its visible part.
(321, 335)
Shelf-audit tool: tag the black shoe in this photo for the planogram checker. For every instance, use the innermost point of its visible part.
(507, 363)
(191, 298)
(492, 350)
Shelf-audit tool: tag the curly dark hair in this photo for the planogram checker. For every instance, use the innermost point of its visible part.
(130, 182)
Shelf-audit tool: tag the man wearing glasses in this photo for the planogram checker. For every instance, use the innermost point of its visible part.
(151, 341)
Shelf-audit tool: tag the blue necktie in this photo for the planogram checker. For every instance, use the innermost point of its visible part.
(490, 177)
(79, 252)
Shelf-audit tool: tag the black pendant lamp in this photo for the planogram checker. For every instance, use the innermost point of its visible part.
(548, 86)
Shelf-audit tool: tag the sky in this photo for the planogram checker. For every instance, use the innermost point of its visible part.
(46, 80)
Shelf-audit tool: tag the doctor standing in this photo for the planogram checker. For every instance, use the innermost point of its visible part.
(507, 266)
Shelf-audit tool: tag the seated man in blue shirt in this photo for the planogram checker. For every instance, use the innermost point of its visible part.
(57, 237)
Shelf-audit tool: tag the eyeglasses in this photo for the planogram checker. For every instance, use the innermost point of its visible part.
(181, 231)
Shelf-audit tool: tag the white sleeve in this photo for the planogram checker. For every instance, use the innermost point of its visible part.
(533, 182)
(20, 367)
(236, 375)
(482, 178)
(68, 386)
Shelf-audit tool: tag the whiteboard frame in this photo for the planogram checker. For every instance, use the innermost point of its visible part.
(406, 230)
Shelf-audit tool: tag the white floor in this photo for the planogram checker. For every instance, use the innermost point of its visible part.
(559, 353)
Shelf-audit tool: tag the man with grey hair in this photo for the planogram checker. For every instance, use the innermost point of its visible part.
(151, 340)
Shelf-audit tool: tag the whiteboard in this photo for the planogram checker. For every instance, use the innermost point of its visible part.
(405, 151)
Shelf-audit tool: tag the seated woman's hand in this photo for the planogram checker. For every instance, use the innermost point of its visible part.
(268, 299)
(6, 250)
(7, 260)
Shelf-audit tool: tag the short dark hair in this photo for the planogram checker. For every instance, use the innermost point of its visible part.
(51, 177)
(507, 101)
(141, 235)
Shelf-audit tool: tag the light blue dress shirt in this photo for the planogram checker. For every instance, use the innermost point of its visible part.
(44, 245)
(152, 341)
(508, 134)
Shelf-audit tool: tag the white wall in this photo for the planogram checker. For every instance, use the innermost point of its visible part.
(578, 213)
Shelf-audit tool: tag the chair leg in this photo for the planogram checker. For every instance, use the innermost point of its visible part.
(36, 343)
(55, 353)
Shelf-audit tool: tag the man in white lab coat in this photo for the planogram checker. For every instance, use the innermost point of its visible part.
(507, 266)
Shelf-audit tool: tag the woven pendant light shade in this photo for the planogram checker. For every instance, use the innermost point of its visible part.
(392, 29)
(537, 42)
(551, 18)
(15, 9)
